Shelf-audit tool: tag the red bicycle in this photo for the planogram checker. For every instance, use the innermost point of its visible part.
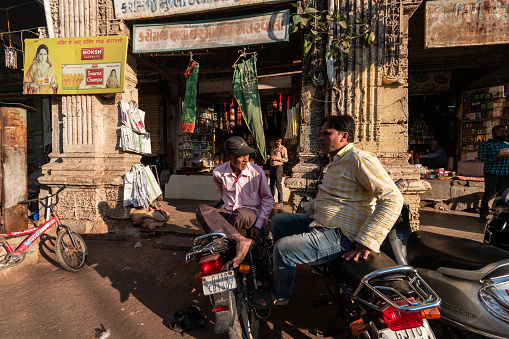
(70, 248)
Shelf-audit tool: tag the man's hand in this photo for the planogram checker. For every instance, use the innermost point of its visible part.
(254, 233)
(359, 251)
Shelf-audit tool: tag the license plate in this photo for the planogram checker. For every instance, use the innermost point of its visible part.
(422, 332)
(219, 282)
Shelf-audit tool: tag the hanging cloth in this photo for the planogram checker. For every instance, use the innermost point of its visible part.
(245, 88)
(189, 109)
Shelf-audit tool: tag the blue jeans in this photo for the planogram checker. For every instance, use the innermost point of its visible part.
(297, 243)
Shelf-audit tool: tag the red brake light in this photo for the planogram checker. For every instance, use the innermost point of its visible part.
(405, 321)
(221, 308)
(211, 264)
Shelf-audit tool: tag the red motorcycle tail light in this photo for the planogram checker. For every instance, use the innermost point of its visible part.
(221, 308)
(211, 264)
(401, 322)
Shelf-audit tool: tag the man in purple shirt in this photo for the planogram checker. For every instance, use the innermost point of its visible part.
(246, 195)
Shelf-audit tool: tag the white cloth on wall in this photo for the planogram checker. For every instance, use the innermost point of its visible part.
(140, 187)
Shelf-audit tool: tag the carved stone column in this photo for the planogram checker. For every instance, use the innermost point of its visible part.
(371, 86)
(85, 147)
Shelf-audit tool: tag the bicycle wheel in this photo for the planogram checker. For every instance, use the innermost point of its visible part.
(71, 257)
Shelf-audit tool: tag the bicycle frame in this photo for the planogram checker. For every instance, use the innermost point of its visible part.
(36, 232)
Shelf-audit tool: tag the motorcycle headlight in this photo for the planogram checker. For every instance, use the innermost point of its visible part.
(495, 302)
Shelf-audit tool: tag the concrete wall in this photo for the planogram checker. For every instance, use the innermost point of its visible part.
(453, 194)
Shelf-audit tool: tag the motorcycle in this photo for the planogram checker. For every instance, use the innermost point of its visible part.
(376, 298)
(472, 278)
(229, 288)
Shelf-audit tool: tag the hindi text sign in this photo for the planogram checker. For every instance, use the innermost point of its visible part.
(452, 23)
(144, 9)
(259, 29)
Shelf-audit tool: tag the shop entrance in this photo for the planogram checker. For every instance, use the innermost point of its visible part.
(177, 155)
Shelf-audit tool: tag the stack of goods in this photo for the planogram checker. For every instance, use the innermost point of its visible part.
(134, 137)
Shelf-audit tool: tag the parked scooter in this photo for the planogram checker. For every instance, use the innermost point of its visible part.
(496, 232)
(472, 278)
(229, 288)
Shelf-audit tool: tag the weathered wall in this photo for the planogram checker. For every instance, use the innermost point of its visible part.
(86, 155)
(370, 86)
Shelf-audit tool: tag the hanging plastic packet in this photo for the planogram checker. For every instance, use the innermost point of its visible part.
(239, 117)
(232, 117)
(280, 104)
(225, 117)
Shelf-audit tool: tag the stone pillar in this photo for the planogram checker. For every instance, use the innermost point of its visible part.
(371, 86)
(86, 155)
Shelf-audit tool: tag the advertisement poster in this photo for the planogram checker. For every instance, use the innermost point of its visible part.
(81, 65)
(259, 29)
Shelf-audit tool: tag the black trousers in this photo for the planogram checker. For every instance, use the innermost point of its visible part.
(276, 176)
(492, 184)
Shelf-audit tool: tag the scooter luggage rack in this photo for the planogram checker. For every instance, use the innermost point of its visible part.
(429, 298)
(209, 247)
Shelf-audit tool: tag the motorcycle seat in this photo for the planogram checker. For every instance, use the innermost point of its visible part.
(352, 272)
(432, 251)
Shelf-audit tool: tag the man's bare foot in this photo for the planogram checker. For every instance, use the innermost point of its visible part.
(243, 246)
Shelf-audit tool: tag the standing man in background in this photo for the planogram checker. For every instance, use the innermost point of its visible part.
(278, 156)
(496, 167)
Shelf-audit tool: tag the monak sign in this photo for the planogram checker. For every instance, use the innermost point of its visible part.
(144, 9)
(259, 29)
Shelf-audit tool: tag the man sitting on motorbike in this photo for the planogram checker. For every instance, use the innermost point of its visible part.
(356, 206)
(246, 195)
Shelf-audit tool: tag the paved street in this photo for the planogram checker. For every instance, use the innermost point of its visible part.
(132, 288)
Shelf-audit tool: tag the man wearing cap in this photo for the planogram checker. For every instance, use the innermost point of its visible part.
(246, 195)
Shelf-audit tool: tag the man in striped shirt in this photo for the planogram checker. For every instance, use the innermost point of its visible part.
(496, 167)
(356, 206)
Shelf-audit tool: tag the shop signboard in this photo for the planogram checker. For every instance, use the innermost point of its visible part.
(423, 83)
(451, 23)
(78, 65)
(185, 36)
(145, 9)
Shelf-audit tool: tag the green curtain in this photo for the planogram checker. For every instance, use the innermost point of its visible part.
(189, 109)
(245, 89)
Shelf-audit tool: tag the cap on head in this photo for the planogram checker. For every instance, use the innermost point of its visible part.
(238, 146)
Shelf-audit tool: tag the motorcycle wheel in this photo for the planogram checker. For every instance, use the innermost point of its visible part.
(246, 325)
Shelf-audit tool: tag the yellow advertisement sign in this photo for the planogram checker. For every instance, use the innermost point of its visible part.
(77, 65)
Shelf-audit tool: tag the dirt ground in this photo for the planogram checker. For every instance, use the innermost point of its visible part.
(133, 292)
(132, 289)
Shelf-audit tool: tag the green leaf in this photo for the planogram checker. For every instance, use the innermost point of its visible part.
(314, 32)
(343, 24)
(297, 19)
(307, 45)
(292, 28)
(294, 4)
(304, 21)
(311, 10)
(322, 24)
